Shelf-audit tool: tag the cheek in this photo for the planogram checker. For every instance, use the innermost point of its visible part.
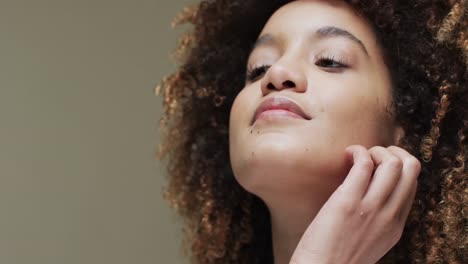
(238, 132)
(244, 106)
(355, 118)
(237, 113)
(239, 116)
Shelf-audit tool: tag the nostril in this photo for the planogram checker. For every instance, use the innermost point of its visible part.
(270, 86)
(289, 84)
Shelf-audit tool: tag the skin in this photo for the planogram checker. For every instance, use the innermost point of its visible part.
(296, 165)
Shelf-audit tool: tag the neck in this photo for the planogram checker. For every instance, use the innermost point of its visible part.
(289, 220)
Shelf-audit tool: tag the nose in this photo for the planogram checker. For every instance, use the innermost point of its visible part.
(281, 75)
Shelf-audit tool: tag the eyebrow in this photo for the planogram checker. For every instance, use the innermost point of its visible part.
(321, 33)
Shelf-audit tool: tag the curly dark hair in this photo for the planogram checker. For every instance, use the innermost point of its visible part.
(426, 49)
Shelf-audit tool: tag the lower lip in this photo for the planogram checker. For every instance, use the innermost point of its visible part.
(277, 113)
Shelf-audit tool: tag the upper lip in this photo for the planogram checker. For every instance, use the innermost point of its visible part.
(280, 102)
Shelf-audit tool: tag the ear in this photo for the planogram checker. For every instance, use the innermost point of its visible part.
(398, 135)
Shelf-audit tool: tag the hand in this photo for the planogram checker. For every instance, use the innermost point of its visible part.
(364, 218)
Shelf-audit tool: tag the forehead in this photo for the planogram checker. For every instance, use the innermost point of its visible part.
(297, 18)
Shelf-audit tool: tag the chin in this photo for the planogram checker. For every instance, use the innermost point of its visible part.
(276, 142)
(270, 170)
(284, 167)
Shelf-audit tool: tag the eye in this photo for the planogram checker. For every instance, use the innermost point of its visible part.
(255, 73)
(331, 63)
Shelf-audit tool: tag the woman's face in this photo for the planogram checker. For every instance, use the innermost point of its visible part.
(326, 59)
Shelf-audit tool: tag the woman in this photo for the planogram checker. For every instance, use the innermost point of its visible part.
(302, 131)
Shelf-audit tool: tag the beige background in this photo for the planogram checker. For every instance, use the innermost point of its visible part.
(79, 120)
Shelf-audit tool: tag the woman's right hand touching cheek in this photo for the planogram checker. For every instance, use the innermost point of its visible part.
(364, 218)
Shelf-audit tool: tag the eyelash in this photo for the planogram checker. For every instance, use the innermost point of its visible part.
(254, 73)
(331, 59)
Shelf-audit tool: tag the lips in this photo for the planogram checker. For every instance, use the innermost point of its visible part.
(280, 102)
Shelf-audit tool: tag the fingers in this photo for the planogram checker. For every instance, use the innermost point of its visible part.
(357, 180)
(394, 183)
(401, 200)
(385, 178)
